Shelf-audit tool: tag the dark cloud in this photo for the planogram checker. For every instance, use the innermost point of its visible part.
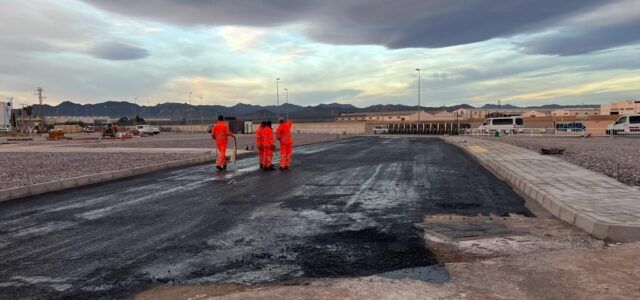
(582, 39)
(117, 51)
(394, 24)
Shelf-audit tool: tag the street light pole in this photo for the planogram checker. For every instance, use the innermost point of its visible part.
(135, 111)
(201, 119)
(278, 96)
(287, 91)
(189, 108)
(419, 92)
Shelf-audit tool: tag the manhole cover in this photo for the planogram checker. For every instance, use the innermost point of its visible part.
(465, 230)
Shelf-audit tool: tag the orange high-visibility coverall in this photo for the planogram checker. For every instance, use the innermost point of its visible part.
(286, 143)
(267, 143)
(220, 132)
(259, 144)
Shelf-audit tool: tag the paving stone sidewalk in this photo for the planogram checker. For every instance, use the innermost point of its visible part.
(592, 201)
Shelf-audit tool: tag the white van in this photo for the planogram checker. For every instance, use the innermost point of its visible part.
(378, 129)
(503, 124)
(145, 130)
(629, 124)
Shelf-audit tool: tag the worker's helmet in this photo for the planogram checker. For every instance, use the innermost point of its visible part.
(220, 118)
(281, 120)
(264, 123)
(269, 123)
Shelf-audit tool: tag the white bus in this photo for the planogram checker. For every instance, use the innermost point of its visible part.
(503, 124)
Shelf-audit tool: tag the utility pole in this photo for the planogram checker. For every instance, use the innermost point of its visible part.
(278, 97)
(135, 111)
(201, 119)
(286, 90)
(419, 92)
(41, 98)
(190, 118)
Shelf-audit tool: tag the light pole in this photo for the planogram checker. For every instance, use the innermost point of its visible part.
(419, 83)
(201, 119)
(189, 108)
(278, 96)
(287, 91)
(135, 111)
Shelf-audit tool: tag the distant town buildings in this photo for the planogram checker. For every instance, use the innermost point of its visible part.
(614, 108)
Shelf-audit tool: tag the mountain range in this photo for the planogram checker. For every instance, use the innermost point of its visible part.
(179, 111)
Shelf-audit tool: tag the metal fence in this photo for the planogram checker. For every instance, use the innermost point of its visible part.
(551, 132)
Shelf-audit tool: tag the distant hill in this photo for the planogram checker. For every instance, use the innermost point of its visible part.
(181, 111)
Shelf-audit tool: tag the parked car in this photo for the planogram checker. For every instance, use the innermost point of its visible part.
(629, 124)
(89, 128)
(572, 126)
(5, 129)
(156, 130)
(380, 129)
(503, 124)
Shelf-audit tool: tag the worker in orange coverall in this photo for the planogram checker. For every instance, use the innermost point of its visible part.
(268, 145)
(286, 143)
(259, 143)
(220, 132)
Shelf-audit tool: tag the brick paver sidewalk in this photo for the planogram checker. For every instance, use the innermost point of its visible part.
(599, 204)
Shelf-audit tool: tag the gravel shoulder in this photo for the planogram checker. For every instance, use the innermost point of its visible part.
(27, 168)
(615, 157)
(21, 169)
(202, 141)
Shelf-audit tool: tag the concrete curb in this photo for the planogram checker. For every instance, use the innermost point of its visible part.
(68, 183)
(554, 205)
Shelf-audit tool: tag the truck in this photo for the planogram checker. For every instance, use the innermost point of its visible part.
(626, 124)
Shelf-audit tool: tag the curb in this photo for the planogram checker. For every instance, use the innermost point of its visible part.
(68, 183)
(553, 204)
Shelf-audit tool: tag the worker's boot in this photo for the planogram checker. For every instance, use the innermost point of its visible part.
(219, 168)
(224, 167)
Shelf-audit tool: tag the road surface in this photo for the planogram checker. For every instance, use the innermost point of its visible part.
(345, 208)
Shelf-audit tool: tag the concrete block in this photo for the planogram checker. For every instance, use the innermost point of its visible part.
(19, 192)
(5, 195)
(37, 189)
(69, 183)
(623, 233)
(54, 186)
(106, 176)
(600, 230)
(83, 180)
(567, 215)
(584, 222)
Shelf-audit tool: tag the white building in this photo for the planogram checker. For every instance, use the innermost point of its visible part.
(575, 112)
(623, 107)
(5, 116)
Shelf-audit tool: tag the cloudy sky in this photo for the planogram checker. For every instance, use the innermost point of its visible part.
(361, 52)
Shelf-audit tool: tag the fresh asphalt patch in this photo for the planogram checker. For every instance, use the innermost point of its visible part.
(345, 208)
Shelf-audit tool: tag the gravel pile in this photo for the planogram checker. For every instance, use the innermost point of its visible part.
(202, 141)
(20, 169)
(616, 157)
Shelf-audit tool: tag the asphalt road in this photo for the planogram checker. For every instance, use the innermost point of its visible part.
(344, 209)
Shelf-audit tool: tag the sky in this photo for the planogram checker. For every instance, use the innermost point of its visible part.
(359, 52)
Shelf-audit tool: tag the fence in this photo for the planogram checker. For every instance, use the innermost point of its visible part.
(553, 132)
